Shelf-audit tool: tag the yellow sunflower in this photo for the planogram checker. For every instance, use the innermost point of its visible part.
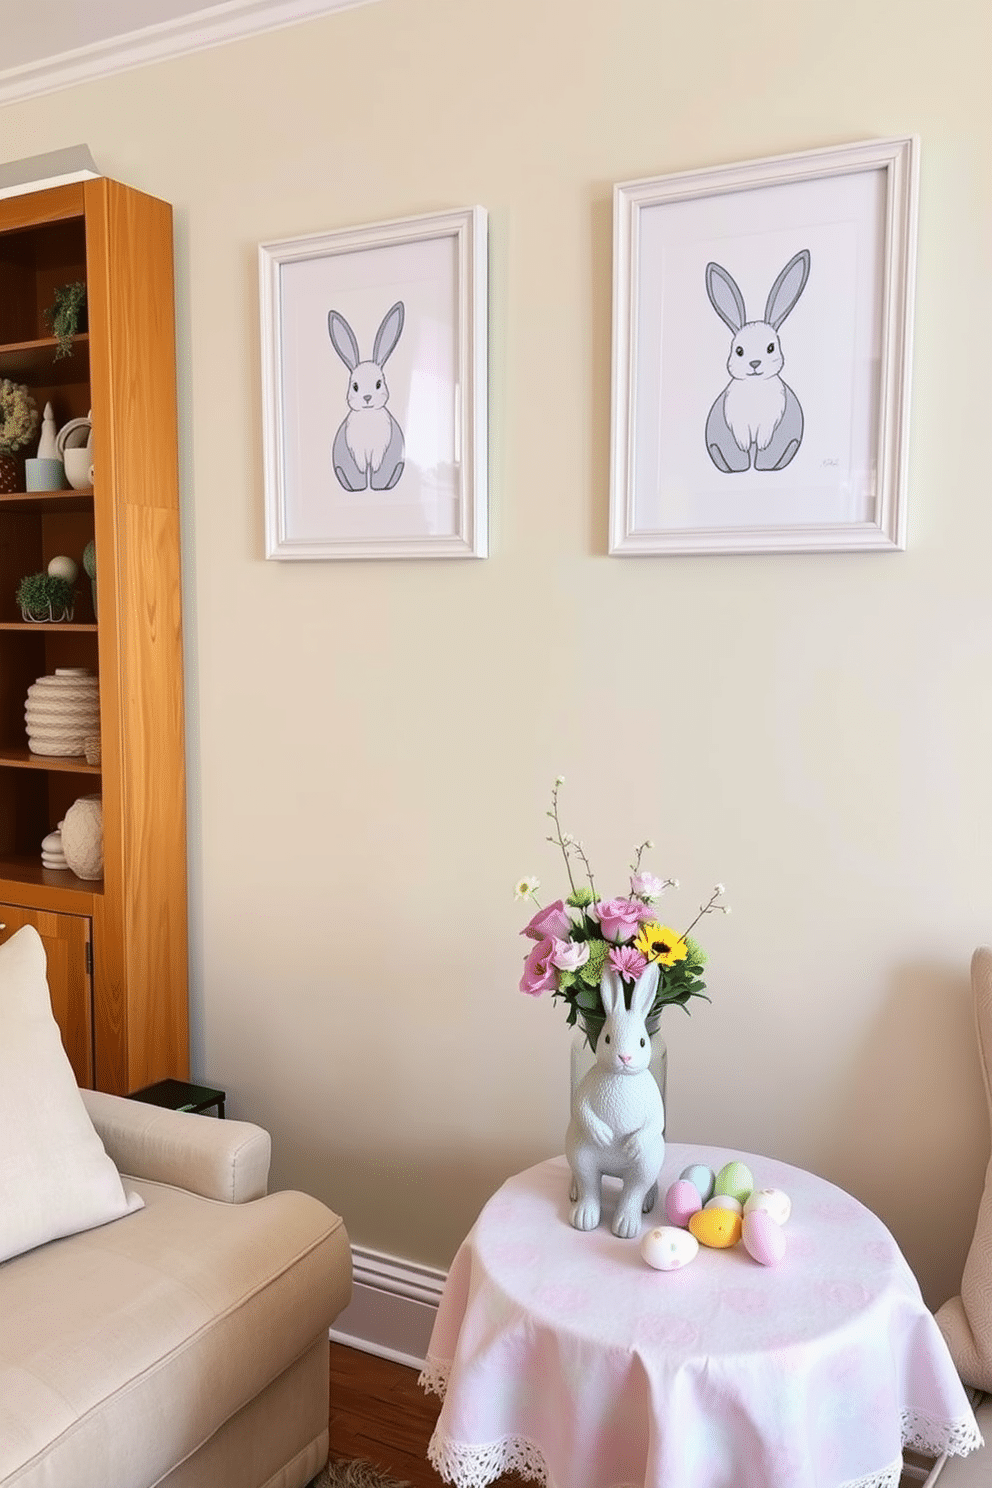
(659, 943)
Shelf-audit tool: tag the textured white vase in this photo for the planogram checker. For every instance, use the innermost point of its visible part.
(82, 837)
(62, 711)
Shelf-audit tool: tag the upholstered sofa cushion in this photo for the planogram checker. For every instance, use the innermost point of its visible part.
(55, 1176)
(124, 1348)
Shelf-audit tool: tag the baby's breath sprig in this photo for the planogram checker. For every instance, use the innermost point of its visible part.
(564, 840)
(639, 852)
(710, 907)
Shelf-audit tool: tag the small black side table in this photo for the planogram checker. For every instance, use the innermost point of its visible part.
(180, 1095)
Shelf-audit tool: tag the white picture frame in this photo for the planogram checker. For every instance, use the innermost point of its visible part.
(831, 234)
(396, 468)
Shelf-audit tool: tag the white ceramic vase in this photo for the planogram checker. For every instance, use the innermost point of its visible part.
(82, 837)
(62, 711)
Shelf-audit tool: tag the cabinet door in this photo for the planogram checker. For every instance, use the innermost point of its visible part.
(66, 939)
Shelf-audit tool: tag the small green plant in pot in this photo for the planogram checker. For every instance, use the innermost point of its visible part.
(67, 315)
(42, 597)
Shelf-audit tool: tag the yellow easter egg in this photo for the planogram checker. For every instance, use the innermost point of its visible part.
(717, 1228)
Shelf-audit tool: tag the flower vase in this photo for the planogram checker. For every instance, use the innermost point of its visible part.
(583, 1055)
(10, 474)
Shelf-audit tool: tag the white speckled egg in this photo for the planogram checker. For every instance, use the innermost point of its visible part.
(702, 1179)
(64, 568)
(735, 1178)
(668, 1248)
(764, 1240)
(682, 1201)
(773, 1201)
(725, 1201)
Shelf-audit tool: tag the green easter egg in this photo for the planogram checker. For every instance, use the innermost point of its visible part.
(735, 1180)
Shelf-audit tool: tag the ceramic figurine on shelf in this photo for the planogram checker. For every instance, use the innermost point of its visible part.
(47, 448)
(617, 1128)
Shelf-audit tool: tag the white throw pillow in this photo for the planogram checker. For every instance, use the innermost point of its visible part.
(55, 1176)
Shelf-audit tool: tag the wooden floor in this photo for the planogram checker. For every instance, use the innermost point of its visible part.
(379, 1412)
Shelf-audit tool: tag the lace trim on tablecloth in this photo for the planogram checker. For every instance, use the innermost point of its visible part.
(475, 1466)
(921, 1433)
(434, 1376)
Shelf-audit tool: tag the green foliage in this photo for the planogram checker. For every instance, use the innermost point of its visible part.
(44, 596)
(66, 315)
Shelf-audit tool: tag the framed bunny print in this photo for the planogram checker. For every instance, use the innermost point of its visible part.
(374, 387)
(762, 332)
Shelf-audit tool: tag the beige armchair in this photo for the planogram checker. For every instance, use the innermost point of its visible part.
(966, 1321)
(185, 1344)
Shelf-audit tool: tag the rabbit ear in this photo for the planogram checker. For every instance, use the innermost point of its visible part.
(725, 297)
(611, 991)
(343, 340)
(388, 333)
(644, 989)
(787, 288)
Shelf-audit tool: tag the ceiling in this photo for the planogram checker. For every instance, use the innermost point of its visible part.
(49, 44)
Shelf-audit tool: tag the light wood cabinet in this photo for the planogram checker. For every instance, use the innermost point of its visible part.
(119, 242)
(68, 947)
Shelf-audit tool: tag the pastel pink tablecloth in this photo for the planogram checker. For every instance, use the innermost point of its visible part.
(562, 1355)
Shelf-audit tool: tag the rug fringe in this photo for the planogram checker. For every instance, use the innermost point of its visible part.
(356, 1473)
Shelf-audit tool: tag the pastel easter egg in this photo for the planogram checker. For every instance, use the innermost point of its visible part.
(717, 1228)
(725, 1201)
(773, 1201)
(668, 1248)
(735, 1178)
(681, 1201)
(764, 1240)
(701, 1177)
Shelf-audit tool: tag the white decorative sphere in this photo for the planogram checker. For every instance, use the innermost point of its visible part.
(82, 837)
(64, 567)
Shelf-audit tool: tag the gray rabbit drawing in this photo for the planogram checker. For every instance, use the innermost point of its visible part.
(757, 418)
(368, 447)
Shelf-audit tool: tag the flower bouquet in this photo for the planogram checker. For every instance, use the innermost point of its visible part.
(577, 938)
(18, 416)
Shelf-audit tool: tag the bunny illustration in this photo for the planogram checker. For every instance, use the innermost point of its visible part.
(757, 416)
(617, 1128)
(368, 447)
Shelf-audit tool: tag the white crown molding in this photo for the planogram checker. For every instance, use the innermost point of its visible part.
(208, 26)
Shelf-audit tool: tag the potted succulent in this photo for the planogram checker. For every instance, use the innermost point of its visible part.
(45, 597)
(67, 315)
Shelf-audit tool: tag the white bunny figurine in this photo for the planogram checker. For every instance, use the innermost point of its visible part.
(617, 1128)
(757, 421)
(368, 446)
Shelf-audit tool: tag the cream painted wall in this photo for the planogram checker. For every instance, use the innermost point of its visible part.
(371, 745)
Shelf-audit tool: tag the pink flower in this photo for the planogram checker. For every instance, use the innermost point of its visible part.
(539, 974)
(619, 919)
(648, 886)
(569, 955)
(549, 922)
(627, 961)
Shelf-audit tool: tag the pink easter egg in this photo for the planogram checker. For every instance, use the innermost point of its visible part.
(682, 1201)
(764, 1240)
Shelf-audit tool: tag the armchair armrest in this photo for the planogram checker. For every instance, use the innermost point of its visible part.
(226, 1160)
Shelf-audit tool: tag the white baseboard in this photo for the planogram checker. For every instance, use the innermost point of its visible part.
(392, 1309)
